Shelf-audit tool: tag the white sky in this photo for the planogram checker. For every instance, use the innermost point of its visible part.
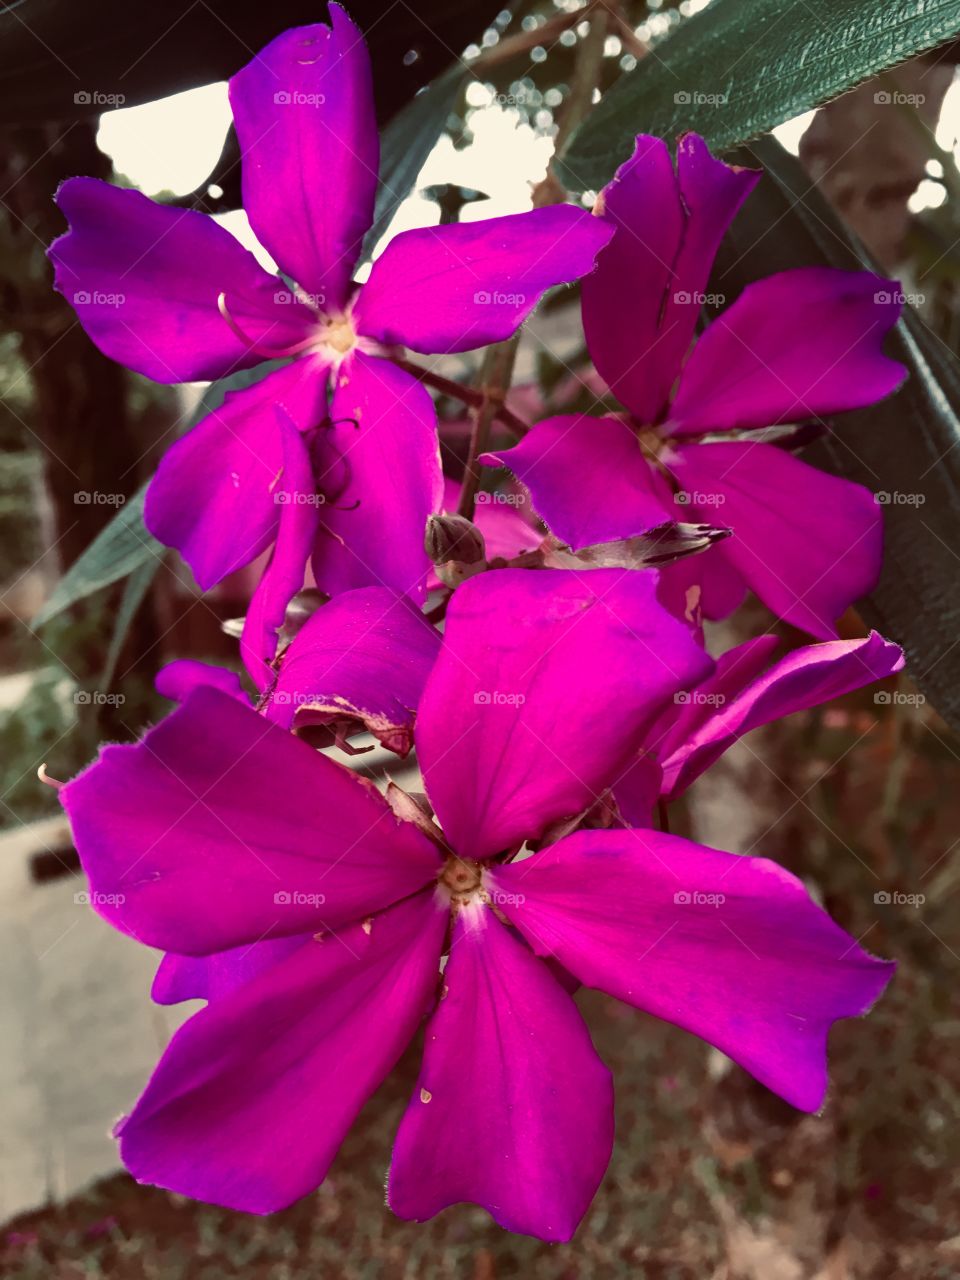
(172, 145)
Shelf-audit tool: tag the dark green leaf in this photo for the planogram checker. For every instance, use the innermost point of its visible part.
(117, 550)
(125, 545)
(905, 447)
(406, 143)
(134, 593)
(737, 70)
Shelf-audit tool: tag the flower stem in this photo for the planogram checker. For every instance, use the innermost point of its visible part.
(468, 395)
(495, 374)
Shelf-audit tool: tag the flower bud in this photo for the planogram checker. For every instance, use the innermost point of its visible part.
(454, 538)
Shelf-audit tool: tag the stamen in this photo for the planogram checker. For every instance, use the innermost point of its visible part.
(269, 353)
(45, 778)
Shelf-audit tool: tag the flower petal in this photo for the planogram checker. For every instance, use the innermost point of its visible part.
(283, 577)
(507, 1044)
(706, 585)
(589, 479)
(145, 279)
(366, 656)
(255, 1093)
(731, 948)
(212, 496)
(464, 285)
(177, 680)
(541, 693)
(379, 465)
(737, 699)
(641, 305)
(796, 345)
(212, 977)
(219, 828)
(303, 110)
(807, 543)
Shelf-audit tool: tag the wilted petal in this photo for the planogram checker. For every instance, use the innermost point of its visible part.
(589, 479)
(807, 543)
(456, 287)
(283, 577)
(731, 948)
(513, 1110)
(796, 345)
(303, 110)
(379, 467)
(255, 1093)
(219, 829)
(737, 698)
(641, 305)
(543, 687)
(144, 280)
(212, 497)
(366, 656)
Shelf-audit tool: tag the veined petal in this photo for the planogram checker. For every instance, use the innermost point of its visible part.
(303, 110)
(379, 468)
(456, 287)
(513, 1109)
(640, 307)
(213, 496)
(737, 698)
(730, 948)
(542, 690)
(807, 543)
(255, 1094)
(589, 479)
(366, 656)
(219, 829)
(796, 345)
(283, 577)
(145, 279)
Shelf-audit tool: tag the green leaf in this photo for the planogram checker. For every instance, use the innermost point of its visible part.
(905, 447)
(134, 593)
(405, 144)
(118, 549)
(125, 545)
(737, 70)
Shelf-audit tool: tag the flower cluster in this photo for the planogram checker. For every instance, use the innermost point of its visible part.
(567, 698)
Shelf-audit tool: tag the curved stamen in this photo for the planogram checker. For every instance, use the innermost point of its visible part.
(270, 353)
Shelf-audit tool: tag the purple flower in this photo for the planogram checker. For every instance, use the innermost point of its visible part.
(795, 346)
(359, 662)
(743, 693)
(313, 920)
(173, 295)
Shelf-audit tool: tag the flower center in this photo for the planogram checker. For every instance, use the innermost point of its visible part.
(339, 334)
(462, 879)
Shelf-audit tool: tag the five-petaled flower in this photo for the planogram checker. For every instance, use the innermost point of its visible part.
(197, 305)
(795, 346)
(313, 920)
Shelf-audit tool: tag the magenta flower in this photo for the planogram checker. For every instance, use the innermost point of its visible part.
(173, 295)
(744, 692)
(795, 346)
(360, 662)
(313, 920)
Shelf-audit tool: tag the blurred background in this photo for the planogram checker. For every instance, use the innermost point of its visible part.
(712, 1176)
